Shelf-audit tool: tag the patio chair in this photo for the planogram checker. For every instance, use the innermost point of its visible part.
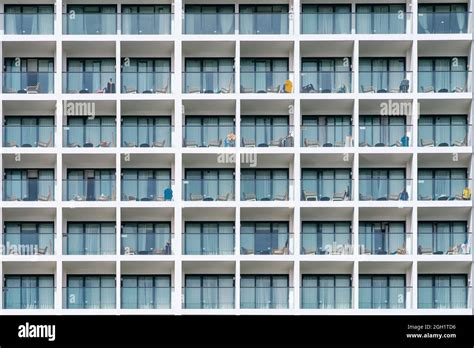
(365, 197)
(45, 143)
(12, 143)
(310, 196)
(228, 89)
(248, 142)
(394, 197)
(165, 88)
(275, 89)
(158, 143)
(103, 198)
(427, 142)
(215, 143)
(130, 90)
(311, 143)
(33, 89)
(339, 196)
(223, 197)
(281, 197)
(246, 89)
(190, 143)
(45, 198)
(428, 89)
(105, 143)
(276, 142)
(460, 142)
(250, 197)
(42, 251)
(367, 89)
(196, 197)
(245, 251)
(280, 251)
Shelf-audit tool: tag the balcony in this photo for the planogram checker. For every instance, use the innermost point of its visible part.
(89, 297)
(392, 135)
(29, 23)
(383, 297)
(28, 82)
(88, 243)
(383, 22)
(89, 136)
(265, 297)
(89, 82)
(444, 135)
(28, 136)
(326, 23)
(209, 23)
(147, 189)
(443, 189)
(326, 297)
(385, 81)
(443, 22)
(89, 23)
(146, 297)
(444, 81)
(222, 243)
(28, 243)
(326, 189)
(34, 297)
(266, 189)
(266, 82)
(266, 243)
(144, 136)
(102, 190)
(326, 243)
(209, 82)
(444, 243)
(146, 82)
(209, 135)
(313, 135)
(383, 189)
(264, 23)
(207, 297)
(146, 23)
(209, 190)
(28, 190)
(444, 297)
(141, 243)
(275, 135)
(326, 82)
(385, 243)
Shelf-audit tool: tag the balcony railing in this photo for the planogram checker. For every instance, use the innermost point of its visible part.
(267, 136)
(28, 136)
(101, 190)
(89, 82)
(37, 297)
(146, 82)
(385, 81)
(89, 136)
(209, 135)
(28, 82)
(210, 82)
(264, 23)
(146, 244)
(89, 23)
(443, 22)
(266, 243)
(88, 297)
(29, 23)
(266, 189)
(209, 23)
(326, 136)
(147, 189)
(444, 81)
(146, 136)
(385, 189)
(326, 82)
(442, 189)
(383, 297)
(266, 82)
(146, 297)
(209, 297)
(444, 243)
(28, 190)
(393, 135)
(28, 243)
(444, 135)
(326, 23)
(146, 23)
(265, 297)
(390, 243)
(383, 22)
(326, 297)
(326, 243)
(209, 243)
(326, 189)
(89, 243)
(444, 297)
(209, 189)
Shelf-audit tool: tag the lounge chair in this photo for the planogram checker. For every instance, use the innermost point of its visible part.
(276, 143)
(230, 88)
(196, 197)
(246, 89)
(245, 251)
(339, 196)
(165, 88)
(427, 142)
(367, 89)
(130, 90)
(275, 89)
(45, 198)
(105, 143)
(158, 143)
(428, 89)
(248, 143)
(364, 144)
(103, 198)
(194, 90)
(45, 143)
(250, 197)
(365, 197)
(458, 90)
(460, 142)
(42, 251)
(310, 196)
(223, 197)
(280, 251)
(311, 143)
(215, 143)
(190, 143)
(394, 197)
(33, 89)
(283, 197)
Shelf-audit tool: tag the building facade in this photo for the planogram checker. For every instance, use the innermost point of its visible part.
(236, 157)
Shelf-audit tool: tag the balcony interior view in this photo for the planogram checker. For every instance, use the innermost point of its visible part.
(236, 157)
